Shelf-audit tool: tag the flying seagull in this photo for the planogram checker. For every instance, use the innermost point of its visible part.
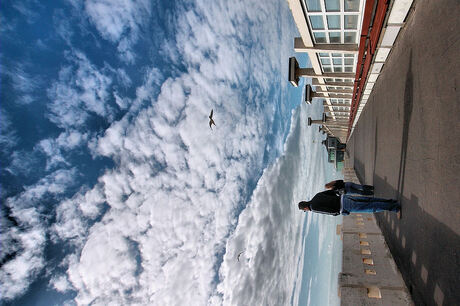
(238, 258)
(211, 122)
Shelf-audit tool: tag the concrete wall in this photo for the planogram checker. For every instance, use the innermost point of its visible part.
(369, 275)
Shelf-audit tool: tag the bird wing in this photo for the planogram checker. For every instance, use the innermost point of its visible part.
(212, 111)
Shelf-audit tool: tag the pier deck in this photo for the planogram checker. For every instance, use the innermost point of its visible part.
(407, 144)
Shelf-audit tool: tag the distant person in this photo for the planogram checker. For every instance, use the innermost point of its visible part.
(350, 187)
(330, 202)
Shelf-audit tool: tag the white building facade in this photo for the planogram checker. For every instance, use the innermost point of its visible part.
(347, 42)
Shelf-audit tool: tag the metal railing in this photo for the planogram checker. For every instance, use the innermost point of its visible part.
(374, 17)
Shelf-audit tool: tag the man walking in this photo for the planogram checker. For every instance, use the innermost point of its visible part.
(332, 203)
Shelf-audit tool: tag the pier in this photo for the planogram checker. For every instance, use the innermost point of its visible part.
(389, 83)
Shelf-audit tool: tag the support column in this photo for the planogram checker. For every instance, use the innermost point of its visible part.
(318, 121)
(295, 72)
(310, 94)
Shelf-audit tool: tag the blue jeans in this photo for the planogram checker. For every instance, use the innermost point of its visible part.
(353, 204)
(358, 189)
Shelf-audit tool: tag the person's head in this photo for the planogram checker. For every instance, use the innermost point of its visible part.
(330, 185)
(305, 206)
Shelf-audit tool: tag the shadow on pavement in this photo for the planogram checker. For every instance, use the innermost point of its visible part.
(408, 105)
(431, 274)
(376, 148)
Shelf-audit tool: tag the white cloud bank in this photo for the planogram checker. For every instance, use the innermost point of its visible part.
(177, 189)
(269, 230)
(119, 21)
(8, 136)
(81, 90)
(22, 245)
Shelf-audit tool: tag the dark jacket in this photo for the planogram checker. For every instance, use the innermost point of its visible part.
(326, 202)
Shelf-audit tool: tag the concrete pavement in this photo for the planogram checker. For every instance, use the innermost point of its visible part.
(407, 144)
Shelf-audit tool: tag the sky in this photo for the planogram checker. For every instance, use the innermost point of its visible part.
(115, 190)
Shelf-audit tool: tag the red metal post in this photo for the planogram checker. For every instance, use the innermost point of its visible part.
(368, 42)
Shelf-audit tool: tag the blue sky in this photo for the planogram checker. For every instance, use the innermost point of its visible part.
(114, 189)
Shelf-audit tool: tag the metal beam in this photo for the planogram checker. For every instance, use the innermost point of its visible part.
(326, 109)
(342, 116)
(341, 110)
(310, 73)
(336, 113)
(335, 96)
(336, 91)
(341, 84)
(347, 104)
(299, 46)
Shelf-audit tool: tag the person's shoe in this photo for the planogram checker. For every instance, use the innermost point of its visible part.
(368, 190)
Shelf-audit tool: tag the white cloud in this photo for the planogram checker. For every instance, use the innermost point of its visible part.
(60, 283)
(125, 50)
(8, 138)
(172, 201)
(123, 77)
(22, 163)
(25, 233)
(119, 21)
(27, 10)
(79, 93)
(269, 230)
(55, 148)
(176, 191)
(114, 18)
(63, 26)
(103, 275)
(23, 83)
(73, 215)
(121, 102)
